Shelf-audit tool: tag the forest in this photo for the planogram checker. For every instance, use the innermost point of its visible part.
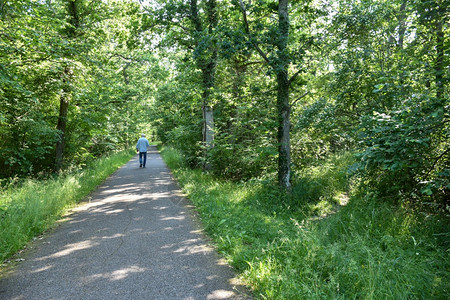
(317, 106)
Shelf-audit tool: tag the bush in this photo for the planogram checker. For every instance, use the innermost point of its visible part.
(407, 152)
(244, 159)
(187, 139)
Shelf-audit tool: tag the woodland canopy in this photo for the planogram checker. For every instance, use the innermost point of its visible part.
(244, 89)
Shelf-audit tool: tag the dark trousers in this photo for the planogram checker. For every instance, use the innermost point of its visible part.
(142, 156)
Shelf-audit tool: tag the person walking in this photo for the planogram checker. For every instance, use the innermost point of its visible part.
(141, 147)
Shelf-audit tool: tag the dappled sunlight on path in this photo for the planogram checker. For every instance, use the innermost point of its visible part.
(134, 239)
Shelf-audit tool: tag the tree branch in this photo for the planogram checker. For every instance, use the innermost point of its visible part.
(251, 63)
(436, 161)
(29, 61)
(122, 57)
(144, 7)
(296, 100)
(294, 76)
(186, 30)
(247, 31)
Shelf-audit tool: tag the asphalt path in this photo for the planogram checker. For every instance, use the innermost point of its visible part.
(136, 238)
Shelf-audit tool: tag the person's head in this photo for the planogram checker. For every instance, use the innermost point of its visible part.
(142, 135)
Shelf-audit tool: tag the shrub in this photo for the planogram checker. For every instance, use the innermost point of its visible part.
(407, 152)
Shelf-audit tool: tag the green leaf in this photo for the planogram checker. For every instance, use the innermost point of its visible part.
(427, 191)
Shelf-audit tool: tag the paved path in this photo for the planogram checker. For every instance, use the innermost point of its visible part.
(135, 239)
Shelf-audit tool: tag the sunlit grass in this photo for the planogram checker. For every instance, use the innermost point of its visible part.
(31, 208)
(278, 245)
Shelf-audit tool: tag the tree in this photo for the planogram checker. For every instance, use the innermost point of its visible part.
(71, 31)
(197, 36)
(387, 92)
(206, 60)
(280, 63)
(28, 41)
(63, 91)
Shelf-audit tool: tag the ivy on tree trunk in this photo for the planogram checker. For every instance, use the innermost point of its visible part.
(62, 119)
(206, 62)
(284, 144)
(73, 25)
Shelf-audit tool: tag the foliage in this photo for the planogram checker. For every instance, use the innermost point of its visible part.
(385, 96)
(177, 118)
(108, 87)
(351, 62)
(245, 142)
(407, 152)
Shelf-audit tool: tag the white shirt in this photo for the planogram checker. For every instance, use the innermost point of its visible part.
(142, 144)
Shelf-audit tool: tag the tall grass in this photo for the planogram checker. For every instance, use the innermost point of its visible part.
(33, 207)
(365, 250)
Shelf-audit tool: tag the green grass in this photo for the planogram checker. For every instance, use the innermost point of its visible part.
(278, 245)
(34, 206)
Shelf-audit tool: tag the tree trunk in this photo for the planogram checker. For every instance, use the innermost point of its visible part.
(74, 20)
(284, 143)
(126, 100)
(439, 66)
(206, 62)
(401, 24)
(280, 66)
(208, 113)
(209, 71)
(62, 121)
(208, 133)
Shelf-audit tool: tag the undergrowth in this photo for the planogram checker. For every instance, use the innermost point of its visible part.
(283, 250)
(33, 207)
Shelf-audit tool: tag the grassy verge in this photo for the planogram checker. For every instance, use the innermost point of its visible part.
(32, 208)
(365, 250)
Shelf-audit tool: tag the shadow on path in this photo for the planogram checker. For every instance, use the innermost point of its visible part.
(135, 239)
